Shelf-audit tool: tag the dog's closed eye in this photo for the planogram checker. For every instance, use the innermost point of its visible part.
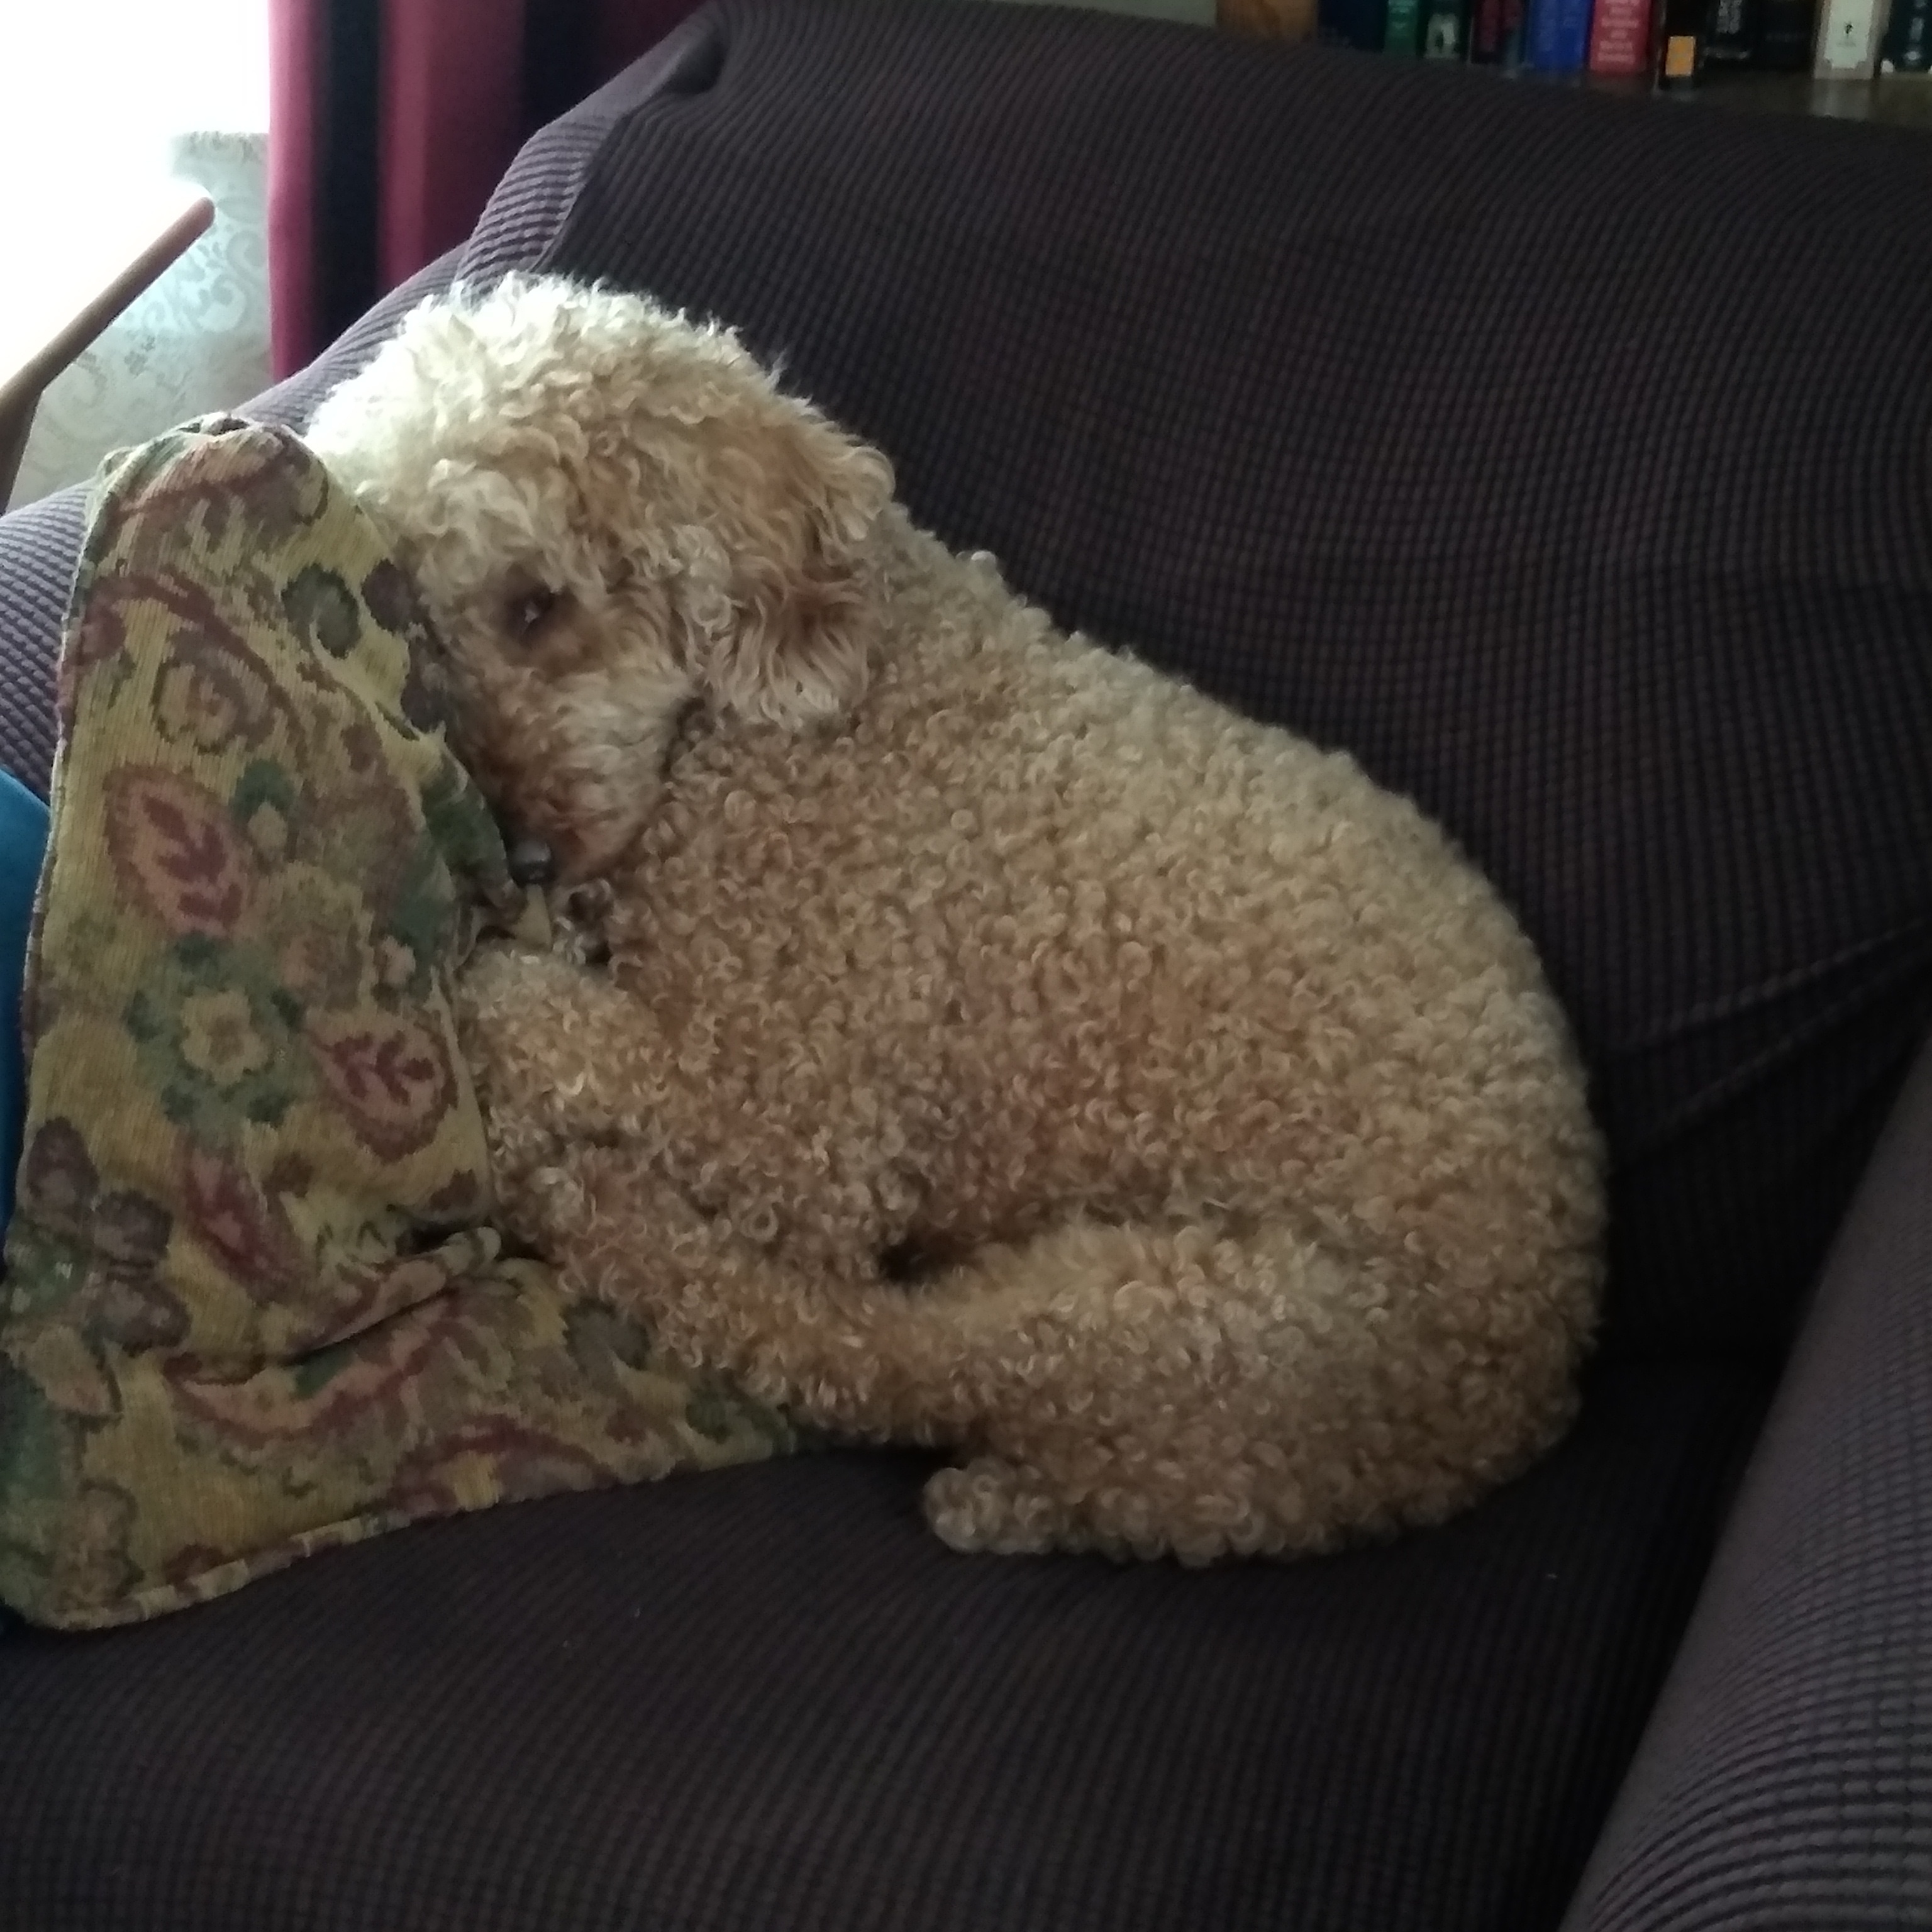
(526, 611)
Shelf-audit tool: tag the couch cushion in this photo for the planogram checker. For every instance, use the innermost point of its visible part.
(1566, 457)
(769, 1699)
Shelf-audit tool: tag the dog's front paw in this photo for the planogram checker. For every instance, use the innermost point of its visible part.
(998, 1509)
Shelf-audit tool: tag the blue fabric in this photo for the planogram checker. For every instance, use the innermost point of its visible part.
(23, 844)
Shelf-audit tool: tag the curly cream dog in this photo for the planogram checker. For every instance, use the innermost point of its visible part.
(1002, 1046)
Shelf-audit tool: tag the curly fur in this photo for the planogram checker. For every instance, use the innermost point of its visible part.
(1001, 1046)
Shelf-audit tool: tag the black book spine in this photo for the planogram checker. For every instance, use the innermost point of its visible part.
(1684, 30)
(1908, 38)
(1785, 30)
(1734, 24)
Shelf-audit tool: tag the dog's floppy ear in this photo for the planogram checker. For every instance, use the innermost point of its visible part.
(800, 648)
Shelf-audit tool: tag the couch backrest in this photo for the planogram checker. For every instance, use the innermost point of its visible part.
(1566, 458)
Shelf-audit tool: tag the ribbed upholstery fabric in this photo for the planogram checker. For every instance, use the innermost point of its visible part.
(770, 1701)
(1345, 387)
(40, 544)
(1413, 410)
(291, 400)
(1786, 1784)
(532, 203)
(1571, 459)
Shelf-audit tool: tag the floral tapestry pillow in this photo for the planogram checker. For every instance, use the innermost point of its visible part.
(253, 1304)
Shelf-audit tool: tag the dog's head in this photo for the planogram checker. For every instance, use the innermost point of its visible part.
(611, 515)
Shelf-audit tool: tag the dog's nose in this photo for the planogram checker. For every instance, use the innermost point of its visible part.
(533, 862)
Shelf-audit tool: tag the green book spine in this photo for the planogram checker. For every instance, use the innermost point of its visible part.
(1403, 34)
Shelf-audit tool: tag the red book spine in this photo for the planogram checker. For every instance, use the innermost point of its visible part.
(1620, 36)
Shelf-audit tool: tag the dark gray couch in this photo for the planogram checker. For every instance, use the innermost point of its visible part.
(1569, 459)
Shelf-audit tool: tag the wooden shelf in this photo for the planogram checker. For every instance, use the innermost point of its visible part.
(1900, 100)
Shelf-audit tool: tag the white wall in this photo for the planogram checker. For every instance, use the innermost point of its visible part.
(112, 81)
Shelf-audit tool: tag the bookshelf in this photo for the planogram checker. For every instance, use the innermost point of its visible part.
(1898, 100)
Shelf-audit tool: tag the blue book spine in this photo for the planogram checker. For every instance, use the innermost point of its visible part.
(1558, 37)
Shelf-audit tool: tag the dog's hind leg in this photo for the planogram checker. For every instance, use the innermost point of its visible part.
(1189, 1389)
(1203, 1391)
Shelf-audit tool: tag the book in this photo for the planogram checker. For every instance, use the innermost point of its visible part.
(1351, 23)
(1445, 29)
(1848, 40)
(1495, 33)
(1683, 28)
(1620, 37)
(1401, 33)
(1733, 37)
(1907, 46)
(1556, 37)
(1785, 31)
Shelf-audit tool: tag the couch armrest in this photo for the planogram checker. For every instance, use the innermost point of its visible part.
(1786, 1777)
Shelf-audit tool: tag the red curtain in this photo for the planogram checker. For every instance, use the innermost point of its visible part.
(391, 120)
